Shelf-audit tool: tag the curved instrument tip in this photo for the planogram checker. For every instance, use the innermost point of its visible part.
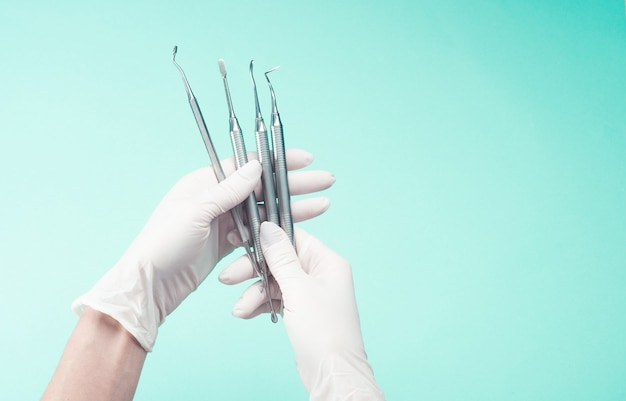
(272, 69)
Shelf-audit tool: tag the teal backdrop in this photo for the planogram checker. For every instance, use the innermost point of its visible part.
(480, 155)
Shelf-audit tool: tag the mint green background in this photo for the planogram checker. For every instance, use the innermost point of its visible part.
(479, 149)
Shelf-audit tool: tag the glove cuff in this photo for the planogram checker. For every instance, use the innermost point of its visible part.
(125, 294)
(345, 377)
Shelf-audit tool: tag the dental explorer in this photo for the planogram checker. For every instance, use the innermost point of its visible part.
(280, 166)
(254, 220)
(265, 158)
(215, 161)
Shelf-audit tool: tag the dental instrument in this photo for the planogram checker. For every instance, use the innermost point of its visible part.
(254, 219)
(280, 166)
(265, 158)
(215, 161)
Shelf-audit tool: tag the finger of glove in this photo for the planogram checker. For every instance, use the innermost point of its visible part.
(307, 209)
(303, 182)
(253, 298)
(301, 210)
(233, 190)
(280, 255)
(304, 209)
(265, 308)
(296, 159)
(306, 182)
(238, 271)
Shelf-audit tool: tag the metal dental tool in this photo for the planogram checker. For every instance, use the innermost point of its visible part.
(215, 161)
(265, 158)
(254, 220)
(280, 166)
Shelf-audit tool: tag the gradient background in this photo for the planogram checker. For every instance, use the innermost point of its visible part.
(480, 155)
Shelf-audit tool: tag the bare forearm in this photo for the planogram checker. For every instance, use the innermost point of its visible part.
(101, 362)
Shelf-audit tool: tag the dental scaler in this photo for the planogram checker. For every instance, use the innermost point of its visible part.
(265, 158)
(254, 219)
(280, 166)
(215, 161)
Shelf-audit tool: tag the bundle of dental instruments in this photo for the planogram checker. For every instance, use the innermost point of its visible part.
(276, 198)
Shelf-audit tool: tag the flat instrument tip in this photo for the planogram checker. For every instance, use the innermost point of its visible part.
(220, 62)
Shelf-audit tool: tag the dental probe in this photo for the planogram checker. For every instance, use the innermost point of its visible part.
(254, 220)
(215, 161)
(263, 149)
(280, 166)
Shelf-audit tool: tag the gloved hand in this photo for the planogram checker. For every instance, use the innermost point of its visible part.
(320, 313)
(182, 242)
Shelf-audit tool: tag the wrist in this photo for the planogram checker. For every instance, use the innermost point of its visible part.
(126, 294)
(100, 327)
(102, 361)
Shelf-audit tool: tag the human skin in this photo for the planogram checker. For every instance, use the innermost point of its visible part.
(101, 362)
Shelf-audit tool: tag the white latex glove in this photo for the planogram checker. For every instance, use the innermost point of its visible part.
(320, 313)
(182, 242)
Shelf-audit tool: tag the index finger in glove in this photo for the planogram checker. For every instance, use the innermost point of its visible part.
(195, 183)
(296, 159)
